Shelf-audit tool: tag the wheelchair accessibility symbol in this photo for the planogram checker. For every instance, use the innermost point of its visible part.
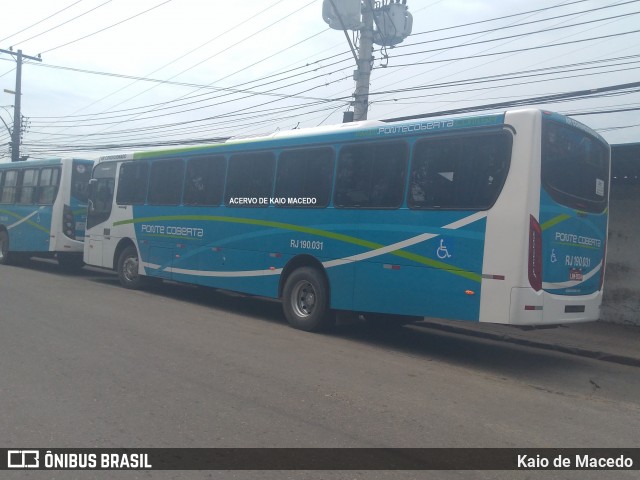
(442, 251)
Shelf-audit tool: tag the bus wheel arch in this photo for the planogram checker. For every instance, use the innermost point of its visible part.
(305, 294)
(4, 246)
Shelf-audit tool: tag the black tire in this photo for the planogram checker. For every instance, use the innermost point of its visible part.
(4, 248)
(128, 263)
(70, 262)
(305, 300)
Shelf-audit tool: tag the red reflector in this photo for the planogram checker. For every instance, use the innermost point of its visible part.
(469, 292)
(493, 277)
(532, 307)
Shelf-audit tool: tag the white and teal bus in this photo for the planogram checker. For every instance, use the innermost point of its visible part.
(43, 210)
(499, 218)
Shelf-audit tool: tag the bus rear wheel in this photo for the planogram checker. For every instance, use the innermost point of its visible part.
(128, 265)
(305, 300)
(4, 248)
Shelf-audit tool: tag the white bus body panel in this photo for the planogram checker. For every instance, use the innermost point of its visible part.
(507, 239)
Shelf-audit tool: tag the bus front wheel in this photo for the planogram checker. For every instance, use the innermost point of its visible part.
(128, 264)
(305, 300)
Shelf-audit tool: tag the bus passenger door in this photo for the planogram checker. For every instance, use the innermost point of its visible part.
(99, 211)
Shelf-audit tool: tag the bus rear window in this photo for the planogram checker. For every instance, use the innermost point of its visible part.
(575, 167)
(80, 176)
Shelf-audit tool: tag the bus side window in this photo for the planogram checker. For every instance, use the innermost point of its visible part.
(305, 173)
(371, 175)
(28, 186)
(9, 186)
(48, 186)
(466, 171)
(165, 182)
(250, 179)
(204, 181)
(132, 187)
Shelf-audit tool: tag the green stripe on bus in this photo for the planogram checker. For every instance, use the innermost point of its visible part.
(314, 231)
(28, 222)
(554, 221)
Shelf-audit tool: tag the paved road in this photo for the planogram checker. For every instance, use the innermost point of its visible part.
(86, 363)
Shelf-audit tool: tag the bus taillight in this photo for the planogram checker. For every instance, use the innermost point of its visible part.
(68, 223)
(535, 254)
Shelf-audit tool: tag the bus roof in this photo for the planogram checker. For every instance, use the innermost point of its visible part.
(355, 130)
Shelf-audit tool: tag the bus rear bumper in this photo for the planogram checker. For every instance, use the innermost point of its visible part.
(529, 307)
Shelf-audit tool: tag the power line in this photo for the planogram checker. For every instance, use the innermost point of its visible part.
(178, 83)
(40, 21)
(634, 86)
(519, 50)
(107, 28)
(519, 35)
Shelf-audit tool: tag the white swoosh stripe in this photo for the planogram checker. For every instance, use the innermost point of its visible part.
(24, 219)
(331, 263)
(571, 283)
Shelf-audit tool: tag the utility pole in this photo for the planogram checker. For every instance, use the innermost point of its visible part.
(393, 24)
(17, 116)
(362, 75)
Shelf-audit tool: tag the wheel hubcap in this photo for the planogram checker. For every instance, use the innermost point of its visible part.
(304, 300)
(130, 269)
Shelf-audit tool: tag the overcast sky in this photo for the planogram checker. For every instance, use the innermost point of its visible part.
(256, 66)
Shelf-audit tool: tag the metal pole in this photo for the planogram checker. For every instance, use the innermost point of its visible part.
(17, 124)
(17, 116)
(365, 54)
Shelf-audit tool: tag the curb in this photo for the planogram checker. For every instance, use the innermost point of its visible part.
(571, 350)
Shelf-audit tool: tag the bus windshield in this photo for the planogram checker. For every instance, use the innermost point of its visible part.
(575, 167)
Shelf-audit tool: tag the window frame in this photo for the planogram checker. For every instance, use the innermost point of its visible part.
(458, 137)
(406, 148)
(33, 188)
(154, 189)
(125, 166)
(232, 183)
(55, 187)
(329, 183)
(14, 187)
(215, 160)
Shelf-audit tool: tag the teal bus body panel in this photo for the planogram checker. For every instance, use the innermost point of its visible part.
(573, 246)
(369, 263)
(29, 226)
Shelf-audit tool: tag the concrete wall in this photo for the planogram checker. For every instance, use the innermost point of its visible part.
(621, 303)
